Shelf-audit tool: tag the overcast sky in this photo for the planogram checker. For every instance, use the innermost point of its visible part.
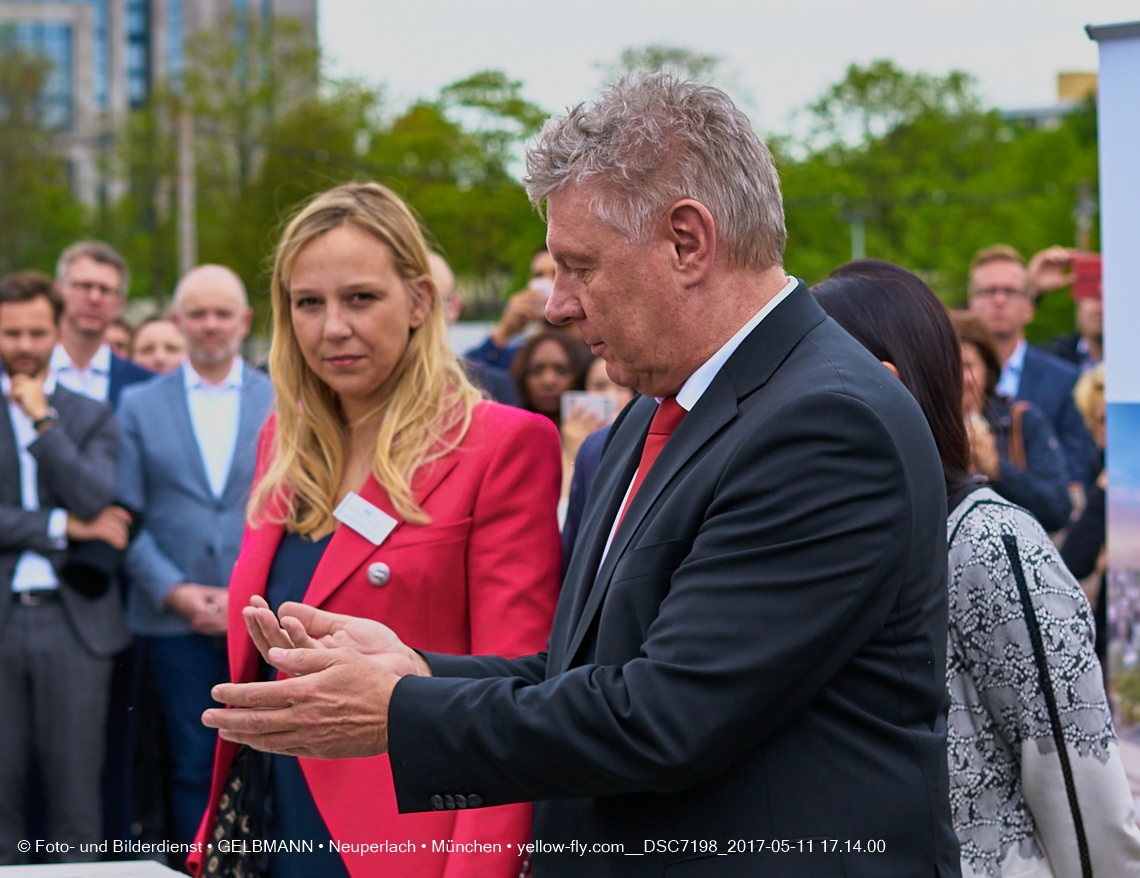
(780, 55)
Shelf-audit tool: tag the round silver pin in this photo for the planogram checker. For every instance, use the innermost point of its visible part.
(379, 573)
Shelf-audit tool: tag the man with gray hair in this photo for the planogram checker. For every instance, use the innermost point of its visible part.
(746, 672)
(189, 444)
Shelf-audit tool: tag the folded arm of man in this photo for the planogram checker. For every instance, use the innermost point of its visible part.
(797, 564)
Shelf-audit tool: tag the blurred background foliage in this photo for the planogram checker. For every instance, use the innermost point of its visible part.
(900, 165)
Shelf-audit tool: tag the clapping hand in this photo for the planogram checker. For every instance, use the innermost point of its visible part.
(334, 704)
(299, 626)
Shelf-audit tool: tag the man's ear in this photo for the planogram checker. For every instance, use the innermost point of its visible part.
(892, 367)
(691, 231)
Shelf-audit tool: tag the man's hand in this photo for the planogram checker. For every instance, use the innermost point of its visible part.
(204, 606)
(334, 707)
(112, 526)
(304, 627)
(527, 306)
(28, 394)
(1050, 270)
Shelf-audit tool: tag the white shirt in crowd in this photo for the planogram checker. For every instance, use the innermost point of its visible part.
(94, 382)
(214, 411)
(1010, 382)
(696, 385)
(33, 571)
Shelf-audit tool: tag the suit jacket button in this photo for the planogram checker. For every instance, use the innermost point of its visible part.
(474, 800)
(379, 574)
(437, 802)
(449, 802)
(460, 801)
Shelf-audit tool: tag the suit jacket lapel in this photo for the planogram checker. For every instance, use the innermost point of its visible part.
(603, 503)
(9, 458)
(251, 416)
(749, 367)
(184, 429)
(347, 549)
(715, 408)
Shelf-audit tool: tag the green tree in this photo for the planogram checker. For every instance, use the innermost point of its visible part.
(932, 177)
(38, 215)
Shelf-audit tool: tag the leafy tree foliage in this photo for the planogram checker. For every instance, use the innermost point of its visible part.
(929, 173)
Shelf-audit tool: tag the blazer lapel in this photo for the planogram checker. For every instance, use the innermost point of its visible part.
(249, 580)
(601, 509)
(183, 428)
(750, 366)
(251, 416)
(347, 549)
(715, 408)
(9, 458)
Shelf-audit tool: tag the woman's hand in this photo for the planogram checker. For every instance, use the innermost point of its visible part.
(578, 424)
(299, 626)
(983, 447)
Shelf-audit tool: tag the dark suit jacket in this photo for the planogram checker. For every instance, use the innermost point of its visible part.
(123, 373)
(1047, 382)
(1042, 487)
(1066, 347)
(760, 656)
(586, 465)
(76, 460)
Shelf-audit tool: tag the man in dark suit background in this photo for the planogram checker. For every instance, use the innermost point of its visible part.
(746, 670)
(58, 453)
(93, 279)
(1001, 295)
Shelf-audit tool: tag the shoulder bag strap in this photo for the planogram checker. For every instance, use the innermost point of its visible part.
(1016, 443)
(1050, 699)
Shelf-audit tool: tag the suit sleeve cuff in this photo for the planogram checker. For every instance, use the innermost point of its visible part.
(57, 528)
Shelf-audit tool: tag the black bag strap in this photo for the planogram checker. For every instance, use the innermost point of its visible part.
(1010, 542)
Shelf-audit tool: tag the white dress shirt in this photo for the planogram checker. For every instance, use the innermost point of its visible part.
(697, 383)
(33, 571)
(1010, 382)
(214, 411)
(93, 382)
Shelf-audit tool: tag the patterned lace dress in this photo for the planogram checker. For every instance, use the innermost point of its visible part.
(1007, 792)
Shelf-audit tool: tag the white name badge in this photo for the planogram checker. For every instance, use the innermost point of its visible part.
(371, 522)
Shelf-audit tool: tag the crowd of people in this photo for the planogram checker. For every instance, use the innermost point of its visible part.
(169, 513)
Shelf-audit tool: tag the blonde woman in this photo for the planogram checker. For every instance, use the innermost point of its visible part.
(374, 412)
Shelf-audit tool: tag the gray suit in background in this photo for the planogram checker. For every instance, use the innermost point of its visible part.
(55, 656)
(189, 535)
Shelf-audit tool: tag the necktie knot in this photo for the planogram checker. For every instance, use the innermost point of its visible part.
(669, 415)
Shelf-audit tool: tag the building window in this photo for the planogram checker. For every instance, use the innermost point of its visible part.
(138, 52)
(52, 42)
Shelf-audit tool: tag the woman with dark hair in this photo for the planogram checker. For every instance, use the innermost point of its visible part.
(1011, 441)
(1009, 708)
(546, 366)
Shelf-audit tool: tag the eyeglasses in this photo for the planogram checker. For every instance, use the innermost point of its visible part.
(1009, 292)
(88, 286)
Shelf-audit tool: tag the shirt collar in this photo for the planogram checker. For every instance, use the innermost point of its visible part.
(696, 385)
(100, 363)
(1016, 361)
(194, 381)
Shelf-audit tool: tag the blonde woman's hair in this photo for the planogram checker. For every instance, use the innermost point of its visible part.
(426, 402)
(1089, 387)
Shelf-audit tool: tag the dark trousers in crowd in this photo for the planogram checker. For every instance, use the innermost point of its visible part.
(53, 693)
(185, 668)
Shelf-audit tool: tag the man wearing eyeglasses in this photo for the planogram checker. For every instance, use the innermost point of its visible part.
(92, 277)
(1002, 294)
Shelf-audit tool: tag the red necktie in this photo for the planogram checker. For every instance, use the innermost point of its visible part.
(669, 415)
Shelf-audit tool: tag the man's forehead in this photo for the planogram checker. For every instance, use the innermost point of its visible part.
(1004, 269)
(88, 266)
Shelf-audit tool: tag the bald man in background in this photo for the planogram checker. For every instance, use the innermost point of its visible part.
(189, 444)
(495, 381)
